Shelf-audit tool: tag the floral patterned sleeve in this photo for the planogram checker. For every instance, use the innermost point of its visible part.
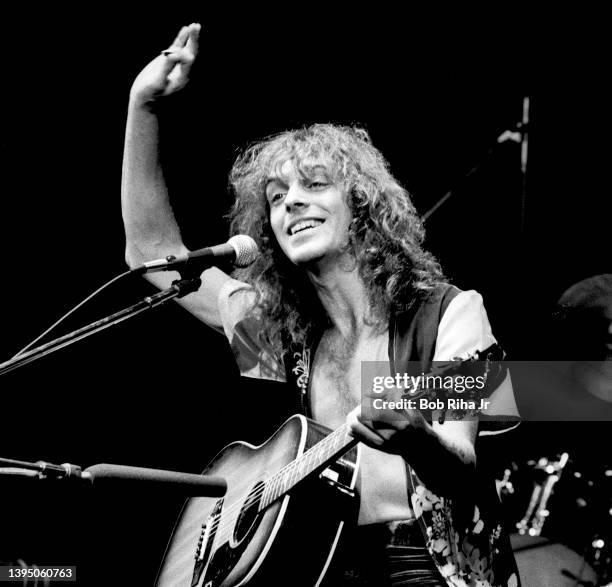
(243, 329)
(466, 540)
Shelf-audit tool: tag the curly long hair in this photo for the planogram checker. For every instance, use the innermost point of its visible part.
(385, 234)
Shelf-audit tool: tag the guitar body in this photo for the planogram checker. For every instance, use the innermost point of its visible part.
(235, 540)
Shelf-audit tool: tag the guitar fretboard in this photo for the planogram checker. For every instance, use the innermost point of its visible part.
(316, 457)
(340, 441)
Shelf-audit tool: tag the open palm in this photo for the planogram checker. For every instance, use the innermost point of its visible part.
(169, 72)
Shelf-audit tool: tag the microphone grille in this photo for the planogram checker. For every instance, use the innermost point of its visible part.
(246, 249)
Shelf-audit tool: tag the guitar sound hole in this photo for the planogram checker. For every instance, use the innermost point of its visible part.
(248, 514)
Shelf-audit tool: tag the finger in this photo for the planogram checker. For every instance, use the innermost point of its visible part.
(193, 40)
(183, 56)
(414, 418)
(181, 38)
(185, 59)
(387, 422)
(364, 434)
(171, 59)
(361, 432)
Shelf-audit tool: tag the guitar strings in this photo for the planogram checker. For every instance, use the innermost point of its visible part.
(286, 471)
(220, 527)
(448, 366)
(221, 524)
(224, 523)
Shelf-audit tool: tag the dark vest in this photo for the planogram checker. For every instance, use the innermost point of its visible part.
(412, 338)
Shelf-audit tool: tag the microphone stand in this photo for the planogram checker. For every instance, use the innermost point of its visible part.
(39, 469)
(524, 151)
(179, 288)
(517, 134)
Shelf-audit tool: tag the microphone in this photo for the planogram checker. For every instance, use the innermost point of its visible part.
(240, 250)
(124, 477)
(107, 476)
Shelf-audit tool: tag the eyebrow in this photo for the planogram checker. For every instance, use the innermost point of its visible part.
(308, 168)
(273, 179)
(311, 168)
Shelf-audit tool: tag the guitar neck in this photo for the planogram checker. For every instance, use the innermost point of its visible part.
(340, 441)
(315, 459)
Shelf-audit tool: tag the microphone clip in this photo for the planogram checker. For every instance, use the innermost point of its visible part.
(190, 282)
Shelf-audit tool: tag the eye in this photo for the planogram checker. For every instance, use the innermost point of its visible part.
(276, 197)
(318, 184)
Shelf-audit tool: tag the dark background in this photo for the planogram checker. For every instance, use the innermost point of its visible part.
(161, 390)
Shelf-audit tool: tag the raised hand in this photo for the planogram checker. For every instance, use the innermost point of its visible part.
(169, 72)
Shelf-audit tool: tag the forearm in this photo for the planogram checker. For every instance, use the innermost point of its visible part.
(445, 462)
(150, 228)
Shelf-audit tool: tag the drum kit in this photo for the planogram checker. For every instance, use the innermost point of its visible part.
(562, 520)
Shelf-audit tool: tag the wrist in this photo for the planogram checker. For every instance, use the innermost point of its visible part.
(139, 103)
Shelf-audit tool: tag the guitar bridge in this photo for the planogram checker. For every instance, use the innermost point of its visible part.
(199, 550)
(205, 541)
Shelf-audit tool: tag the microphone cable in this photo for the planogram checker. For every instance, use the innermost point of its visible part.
(70, 312)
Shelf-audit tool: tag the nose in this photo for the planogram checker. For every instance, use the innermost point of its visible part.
(296, 197)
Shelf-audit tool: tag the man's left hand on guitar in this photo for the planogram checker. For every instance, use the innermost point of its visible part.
(435, 451)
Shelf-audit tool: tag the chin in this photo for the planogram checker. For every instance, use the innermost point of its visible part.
(304, 253)
(306, 258)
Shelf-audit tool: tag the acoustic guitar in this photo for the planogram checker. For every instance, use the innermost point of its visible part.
(287, 501)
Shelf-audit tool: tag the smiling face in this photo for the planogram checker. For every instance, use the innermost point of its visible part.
(308, 212)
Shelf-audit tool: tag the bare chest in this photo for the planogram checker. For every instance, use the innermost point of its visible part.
(336, 384)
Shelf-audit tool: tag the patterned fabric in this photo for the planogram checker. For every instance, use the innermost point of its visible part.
(466, 542)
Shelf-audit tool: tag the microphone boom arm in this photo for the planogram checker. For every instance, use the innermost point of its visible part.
(178, 289)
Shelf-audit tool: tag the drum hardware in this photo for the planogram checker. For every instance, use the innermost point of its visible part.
(537, 512)
(504, 485)
(600, 557)
(547, 554)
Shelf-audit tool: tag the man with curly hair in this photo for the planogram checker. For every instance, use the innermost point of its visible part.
(342, 278)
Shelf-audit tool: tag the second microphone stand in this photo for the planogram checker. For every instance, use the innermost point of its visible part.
(179, 288)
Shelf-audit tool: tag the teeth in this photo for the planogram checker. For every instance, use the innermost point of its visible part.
(304, 224)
